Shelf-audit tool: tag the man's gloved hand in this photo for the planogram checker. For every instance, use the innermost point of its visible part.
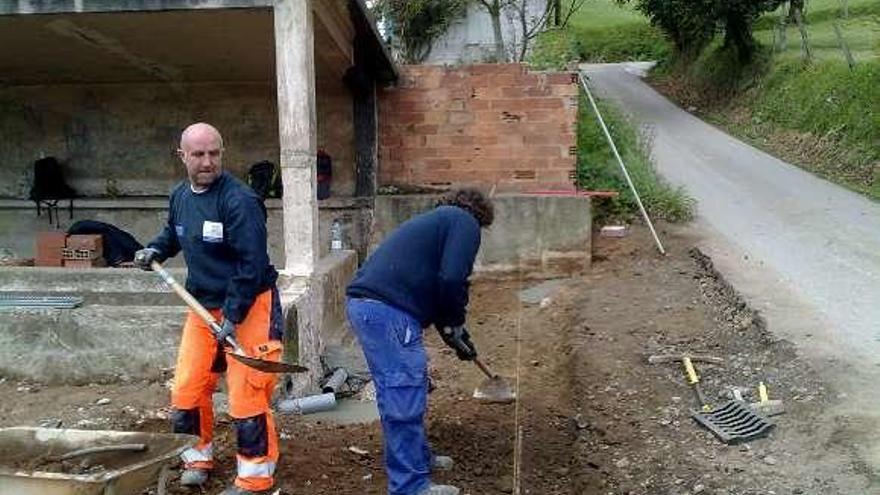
(459, 340)
(144, 257)
(227, 329)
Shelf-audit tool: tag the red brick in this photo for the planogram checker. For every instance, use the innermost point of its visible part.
(539, 115)
(461, 140)
(410, 118)
(438, 164)
(549, 103)
(486, 93)
(48, 261)
(513, 104)
(90, 242)
(567, 90)
(51, 239)
(474, 104)
(569, 78)
(480, 81)
(92, 263)
(460, 118)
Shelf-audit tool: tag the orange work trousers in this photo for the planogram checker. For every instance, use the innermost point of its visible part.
(250, 393)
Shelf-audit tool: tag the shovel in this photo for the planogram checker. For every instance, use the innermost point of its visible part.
(237, 352)
(494, 389)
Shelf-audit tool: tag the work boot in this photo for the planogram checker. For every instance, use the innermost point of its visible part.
(442, 463)
(193, 477)
(440, 490)
(235, 490)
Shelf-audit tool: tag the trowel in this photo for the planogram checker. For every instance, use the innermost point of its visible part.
(494, 389)
(237, 352)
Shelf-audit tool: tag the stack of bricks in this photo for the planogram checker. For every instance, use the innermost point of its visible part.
(84, 251)
(489, 124)
(49, 247)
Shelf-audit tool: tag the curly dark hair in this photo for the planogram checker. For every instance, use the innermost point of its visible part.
(472, 200)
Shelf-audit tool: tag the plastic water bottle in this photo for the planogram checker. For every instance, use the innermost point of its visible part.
(336, 235)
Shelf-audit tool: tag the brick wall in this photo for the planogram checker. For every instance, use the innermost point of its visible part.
(486, 124)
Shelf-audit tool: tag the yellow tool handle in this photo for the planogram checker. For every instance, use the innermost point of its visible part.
(762, 393)
(691, 372)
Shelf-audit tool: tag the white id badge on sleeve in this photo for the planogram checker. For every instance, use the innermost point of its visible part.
(212, 232)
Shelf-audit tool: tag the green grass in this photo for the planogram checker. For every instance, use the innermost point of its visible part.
(598, 169)
(822, 116)
(601, 31)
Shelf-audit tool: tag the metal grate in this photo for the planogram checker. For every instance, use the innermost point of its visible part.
(35, 301)
(735, 422)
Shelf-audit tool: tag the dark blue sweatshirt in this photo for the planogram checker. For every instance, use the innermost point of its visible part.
(423, 267)
(222, 232)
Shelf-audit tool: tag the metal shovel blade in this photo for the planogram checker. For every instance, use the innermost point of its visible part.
(267, 366)
(495, 390)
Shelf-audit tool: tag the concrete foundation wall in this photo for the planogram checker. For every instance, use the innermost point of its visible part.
(315, 315)
(129, 325)
(545, 235)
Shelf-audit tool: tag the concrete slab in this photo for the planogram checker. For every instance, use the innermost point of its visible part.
(348, 411)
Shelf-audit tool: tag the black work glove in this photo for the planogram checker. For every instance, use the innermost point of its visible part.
(459, 340)
(144, 257)
(227, 329)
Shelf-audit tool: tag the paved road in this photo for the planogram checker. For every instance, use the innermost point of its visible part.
(804, 251)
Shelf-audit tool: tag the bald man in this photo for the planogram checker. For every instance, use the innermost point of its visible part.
(220, 225)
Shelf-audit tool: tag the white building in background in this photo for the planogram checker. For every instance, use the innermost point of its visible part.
(471, 38)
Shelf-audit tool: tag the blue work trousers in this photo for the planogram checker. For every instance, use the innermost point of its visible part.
(392, 343)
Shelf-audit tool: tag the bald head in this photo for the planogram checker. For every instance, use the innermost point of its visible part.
(201, 150)
(200, 131)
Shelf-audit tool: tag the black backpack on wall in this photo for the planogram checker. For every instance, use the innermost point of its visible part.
(49, 186)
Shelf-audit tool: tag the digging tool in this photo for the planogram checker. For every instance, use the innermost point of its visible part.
(766, 406)
(732, 422)
(695, 382)
(237, 352)
(494, 389)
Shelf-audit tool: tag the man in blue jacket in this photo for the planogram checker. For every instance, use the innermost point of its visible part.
(417, 277)
(220, 225)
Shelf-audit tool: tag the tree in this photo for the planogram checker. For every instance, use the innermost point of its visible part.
(414, 25)
(495, 8)
(691, 24)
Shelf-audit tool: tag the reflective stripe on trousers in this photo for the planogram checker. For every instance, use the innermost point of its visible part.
(192, 454)
(248, 469)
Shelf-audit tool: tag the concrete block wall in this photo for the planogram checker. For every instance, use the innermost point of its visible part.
(536, 235)
(489, 124)
(121, 139)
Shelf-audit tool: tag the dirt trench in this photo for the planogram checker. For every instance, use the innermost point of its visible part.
(593, 417)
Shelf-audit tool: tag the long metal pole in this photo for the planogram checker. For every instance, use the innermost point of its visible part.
(620, 161)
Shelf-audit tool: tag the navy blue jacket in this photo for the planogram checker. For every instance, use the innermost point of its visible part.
(423, 267)
(222, 232)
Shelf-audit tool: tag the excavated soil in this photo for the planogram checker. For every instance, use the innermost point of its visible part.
(593, 416)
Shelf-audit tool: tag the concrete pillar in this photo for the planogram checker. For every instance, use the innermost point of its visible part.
(295, 72)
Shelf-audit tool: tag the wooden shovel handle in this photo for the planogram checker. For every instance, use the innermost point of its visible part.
(193, 303)
(485, 369)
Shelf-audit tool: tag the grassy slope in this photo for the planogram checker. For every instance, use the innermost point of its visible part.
(821, 116)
